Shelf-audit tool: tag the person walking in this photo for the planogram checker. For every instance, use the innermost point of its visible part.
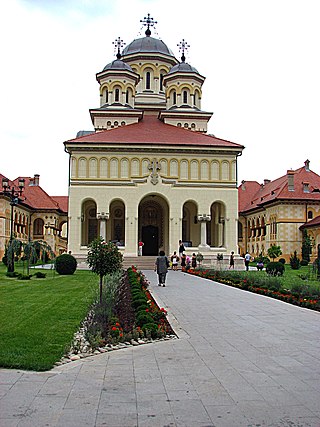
(161, 267)
(174, 260)
(194, 261)
(231, 262)
(247, 259)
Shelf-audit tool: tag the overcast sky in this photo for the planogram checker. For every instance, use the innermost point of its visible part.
(260, 60)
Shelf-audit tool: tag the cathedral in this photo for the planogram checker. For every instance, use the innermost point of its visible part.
(150, 171)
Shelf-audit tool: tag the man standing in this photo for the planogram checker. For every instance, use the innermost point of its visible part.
(247, 259)
(161, 267)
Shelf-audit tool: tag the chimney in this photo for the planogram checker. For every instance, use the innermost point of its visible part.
(36, 179)
(266, 181)
(290, 175)
(243, 185)
(306, 165)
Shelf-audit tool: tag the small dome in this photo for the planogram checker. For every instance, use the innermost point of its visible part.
(183, 67)
(147, 45)
(118, 64)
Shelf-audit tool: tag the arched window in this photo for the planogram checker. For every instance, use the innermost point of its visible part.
(174, 97)
(161, 81)
(148, 80)
(107, 96)
(127, 96)
(310, 214)
(185, 97)
(117, 95)
(38, 227)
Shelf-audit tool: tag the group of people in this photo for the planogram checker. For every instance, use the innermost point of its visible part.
(162, 263)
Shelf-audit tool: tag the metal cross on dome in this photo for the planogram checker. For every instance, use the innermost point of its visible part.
(148, 22)
(183, 47)
(118, 44)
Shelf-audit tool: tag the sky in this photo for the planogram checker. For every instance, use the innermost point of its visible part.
(260, 59)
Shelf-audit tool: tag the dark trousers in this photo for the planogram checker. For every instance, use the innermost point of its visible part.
(162, 278)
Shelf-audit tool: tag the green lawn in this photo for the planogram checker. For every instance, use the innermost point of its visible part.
(38, 317)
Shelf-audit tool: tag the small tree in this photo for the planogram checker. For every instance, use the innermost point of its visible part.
(274, 251)
(306, 246)
(13, 250)
(294, 261)
(35, 249)
(103, 258)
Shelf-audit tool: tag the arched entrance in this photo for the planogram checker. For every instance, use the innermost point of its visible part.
(153, 224)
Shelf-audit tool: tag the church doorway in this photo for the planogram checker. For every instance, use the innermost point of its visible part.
(150, 238)
(153, 225)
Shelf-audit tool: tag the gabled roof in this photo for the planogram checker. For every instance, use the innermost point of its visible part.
(152, 131)
(36, 198)
(315, 222)
(306, 186)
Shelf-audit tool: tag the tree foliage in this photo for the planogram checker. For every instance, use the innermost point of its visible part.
(306, 246)
(103, 258)
(274, 251)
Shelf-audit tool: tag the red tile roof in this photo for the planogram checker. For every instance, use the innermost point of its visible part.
(315, 222)
(150, 130)
(36, 198)
(252, 195)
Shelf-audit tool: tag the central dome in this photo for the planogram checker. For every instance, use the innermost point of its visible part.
(147, 45)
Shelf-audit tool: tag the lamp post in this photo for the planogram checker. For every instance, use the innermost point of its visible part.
(14, 195)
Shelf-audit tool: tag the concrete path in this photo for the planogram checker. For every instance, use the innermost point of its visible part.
(242, 360)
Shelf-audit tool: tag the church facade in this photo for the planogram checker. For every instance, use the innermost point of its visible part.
(149, 171)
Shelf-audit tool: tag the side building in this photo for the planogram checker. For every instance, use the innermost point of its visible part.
(34, 215)
(276, 212)
(149, 170)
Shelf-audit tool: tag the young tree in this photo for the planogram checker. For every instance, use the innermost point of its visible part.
(306, 246)
(103, 258)
(12, 250)
(35, 249)
(274, 251)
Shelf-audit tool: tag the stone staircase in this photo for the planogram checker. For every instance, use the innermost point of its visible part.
(141, 262)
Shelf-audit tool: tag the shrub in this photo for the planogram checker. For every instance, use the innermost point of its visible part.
(150, 328)
(40, 275)
(137, 303)
(275, 269)
(66, 264)
(304, 262)
(12, 274)
(143, 318)
(294, 261)
(282, 260)
(24, 276)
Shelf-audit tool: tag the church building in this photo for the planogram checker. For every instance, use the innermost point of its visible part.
(150, 171)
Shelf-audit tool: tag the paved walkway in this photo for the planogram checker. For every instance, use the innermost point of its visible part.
(242, 360)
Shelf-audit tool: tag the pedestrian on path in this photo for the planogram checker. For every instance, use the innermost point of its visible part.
(174, 260)
(194, 261)
(231, 263)
(181, 248)
(247, 259)
(183, 262)
(161, 267)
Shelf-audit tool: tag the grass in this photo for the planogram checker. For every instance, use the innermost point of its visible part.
(38, 317)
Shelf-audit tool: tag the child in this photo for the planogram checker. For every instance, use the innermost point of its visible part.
(174, 260)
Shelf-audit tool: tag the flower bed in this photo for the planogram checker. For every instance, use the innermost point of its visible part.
(271, 287)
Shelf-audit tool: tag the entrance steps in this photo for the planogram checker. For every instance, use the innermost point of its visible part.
(141, 262)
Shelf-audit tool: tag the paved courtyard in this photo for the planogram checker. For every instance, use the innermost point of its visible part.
(241, 360)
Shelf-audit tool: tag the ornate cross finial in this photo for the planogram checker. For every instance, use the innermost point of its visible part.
(154, 167)
(118, 44)
(148, 22)
(183, 46)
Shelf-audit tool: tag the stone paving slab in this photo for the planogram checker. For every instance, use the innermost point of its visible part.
(241, 360)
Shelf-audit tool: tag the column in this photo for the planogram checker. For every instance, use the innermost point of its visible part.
(203, 219)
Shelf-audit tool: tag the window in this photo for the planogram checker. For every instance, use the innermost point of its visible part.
(107, 96)
(185, 97)
(161, 81)
(148, 80)
(116, 95)
(174, 97)
(127, 96)
(38, 227)
(310, 215)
